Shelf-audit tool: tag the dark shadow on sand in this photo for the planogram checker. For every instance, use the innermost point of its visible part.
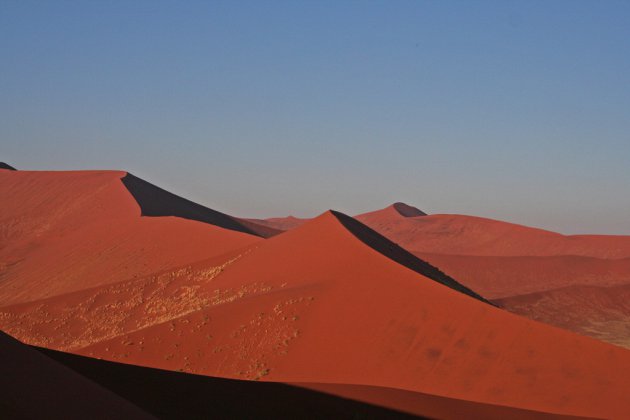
(177, 395)
(401, 255)
(155, 202)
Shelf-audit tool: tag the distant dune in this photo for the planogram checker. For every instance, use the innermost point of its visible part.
(468, 235)
(280, 223)
(6, 166)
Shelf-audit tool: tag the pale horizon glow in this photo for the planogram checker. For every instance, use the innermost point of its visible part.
(516, 110)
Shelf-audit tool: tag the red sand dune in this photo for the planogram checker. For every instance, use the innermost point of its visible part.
(468, 235)
(66, 231)
(36, 387)
(318, 304)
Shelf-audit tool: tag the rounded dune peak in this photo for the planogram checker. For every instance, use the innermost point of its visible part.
(406, 210)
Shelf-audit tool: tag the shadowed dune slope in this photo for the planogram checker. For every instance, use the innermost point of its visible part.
(155, 201)
(65, 231)
(407, 211)
(400, 255)
(468, 235)
(6, 166)
(318, 305)
(35, 386)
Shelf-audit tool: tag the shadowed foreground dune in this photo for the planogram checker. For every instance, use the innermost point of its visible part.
(168, 394)
(34, 386)
(174, 395)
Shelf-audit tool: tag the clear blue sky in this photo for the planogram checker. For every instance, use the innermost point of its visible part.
(512, 110)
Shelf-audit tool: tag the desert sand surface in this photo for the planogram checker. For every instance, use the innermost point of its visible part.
(132, 275)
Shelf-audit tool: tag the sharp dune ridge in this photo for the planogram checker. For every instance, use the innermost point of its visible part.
(156, 202)
(106, 265)
(396, 253)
